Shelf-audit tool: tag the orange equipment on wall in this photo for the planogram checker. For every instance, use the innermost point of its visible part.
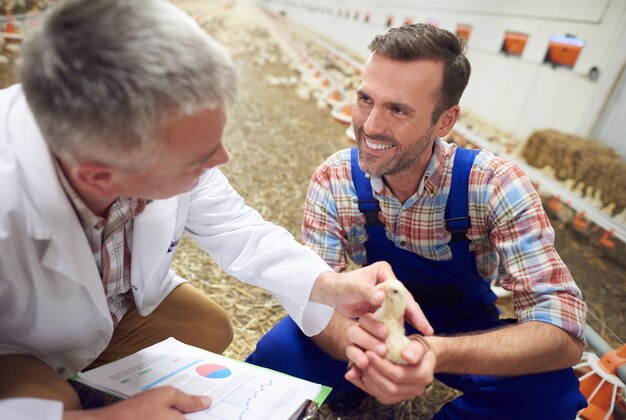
(514, 43)
(463, 31)
(9, 26)
(564, 50)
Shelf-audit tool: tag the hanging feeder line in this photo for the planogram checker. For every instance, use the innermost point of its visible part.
(301, 57)
(336, 52)
(601, 348)
(551, 186)
(606, 331)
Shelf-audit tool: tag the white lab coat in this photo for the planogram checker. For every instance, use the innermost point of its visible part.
(52, 303)
(30, 409)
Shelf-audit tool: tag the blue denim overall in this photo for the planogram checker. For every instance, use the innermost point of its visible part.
(454, 298)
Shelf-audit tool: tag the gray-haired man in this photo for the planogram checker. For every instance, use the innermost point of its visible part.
(108, 151)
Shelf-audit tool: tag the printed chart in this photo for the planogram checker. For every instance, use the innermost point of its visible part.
(213, 371)
(238, 390)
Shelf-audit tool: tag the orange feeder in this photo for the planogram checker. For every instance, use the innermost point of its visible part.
(463, 31)
(343, 113)
(579, 221)
(555, 203)
(389, 21)
(605, 239)
(600, 384)
(564, 50)
(334, 97)
(9, 26)
(514, 43)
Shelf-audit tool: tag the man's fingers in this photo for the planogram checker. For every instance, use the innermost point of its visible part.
(415, 316)
(427, 367)
(365, 340)
(361, 380)
(186, 403)
(353, 372)
(391, 371)
(373, 326)
(383, 270)
(413, 352)
(354, 375)
(399, 382)
(357, 356)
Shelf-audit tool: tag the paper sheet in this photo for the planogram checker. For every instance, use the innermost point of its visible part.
(238, 390)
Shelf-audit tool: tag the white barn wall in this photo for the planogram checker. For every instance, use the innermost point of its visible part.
(517, 94)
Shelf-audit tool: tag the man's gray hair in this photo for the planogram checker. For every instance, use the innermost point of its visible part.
(101, 76)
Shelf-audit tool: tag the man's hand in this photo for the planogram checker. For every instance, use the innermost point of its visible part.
(354, 293)
(388, 382)
(160, 403)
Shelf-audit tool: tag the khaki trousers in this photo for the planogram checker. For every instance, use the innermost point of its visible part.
(186, 314)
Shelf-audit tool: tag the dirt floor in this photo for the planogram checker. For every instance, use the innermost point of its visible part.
(276, 139)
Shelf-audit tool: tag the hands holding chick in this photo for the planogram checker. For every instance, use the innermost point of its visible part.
(384, 362)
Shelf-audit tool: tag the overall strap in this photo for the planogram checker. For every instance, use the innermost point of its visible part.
(457, 215)
(368, 205)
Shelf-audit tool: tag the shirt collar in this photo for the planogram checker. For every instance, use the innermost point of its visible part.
(89, 219)
(437, 166)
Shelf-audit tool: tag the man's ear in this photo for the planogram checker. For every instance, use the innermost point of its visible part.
(446, 121)
(95, 178)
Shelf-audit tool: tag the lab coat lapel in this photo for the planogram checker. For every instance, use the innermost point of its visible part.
(153, 232)
(51, 217)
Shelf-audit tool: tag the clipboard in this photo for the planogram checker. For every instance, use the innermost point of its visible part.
(309, 407)
(252, 390)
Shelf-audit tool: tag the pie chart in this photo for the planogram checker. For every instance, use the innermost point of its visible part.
(213, 371)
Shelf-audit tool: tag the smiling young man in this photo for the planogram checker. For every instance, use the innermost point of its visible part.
(108, 154)
(449, 221)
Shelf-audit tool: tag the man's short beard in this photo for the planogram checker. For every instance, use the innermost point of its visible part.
(403, 160)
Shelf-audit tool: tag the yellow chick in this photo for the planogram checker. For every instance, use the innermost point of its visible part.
(391, 313)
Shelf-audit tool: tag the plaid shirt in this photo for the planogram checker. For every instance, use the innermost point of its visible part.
(110, 239)
(510, 232)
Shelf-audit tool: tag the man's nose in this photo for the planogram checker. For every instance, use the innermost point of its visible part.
(221, 157)
(375, 123)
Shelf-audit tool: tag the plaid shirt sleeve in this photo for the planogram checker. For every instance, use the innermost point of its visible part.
(321, 226)
(543, 287)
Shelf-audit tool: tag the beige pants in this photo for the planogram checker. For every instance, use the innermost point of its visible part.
(186, 314)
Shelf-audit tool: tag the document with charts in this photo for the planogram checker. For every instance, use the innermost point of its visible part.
(239, 390)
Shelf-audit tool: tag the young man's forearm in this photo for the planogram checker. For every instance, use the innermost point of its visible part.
(526, 348)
